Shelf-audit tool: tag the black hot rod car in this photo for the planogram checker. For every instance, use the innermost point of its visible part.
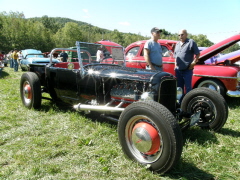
(143, 102)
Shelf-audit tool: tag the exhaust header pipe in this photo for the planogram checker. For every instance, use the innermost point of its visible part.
(85, 107)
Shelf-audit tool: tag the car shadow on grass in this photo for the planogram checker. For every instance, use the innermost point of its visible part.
(196, 134)
(233, 102)
(229, 132)
(51, 105)
(4, 74)
(63, 107)
(186, 170)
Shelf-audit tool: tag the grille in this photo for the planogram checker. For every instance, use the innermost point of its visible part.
(167, 94)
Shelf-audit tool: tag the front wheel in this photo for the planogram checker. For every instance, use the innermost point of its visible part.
(150, 135)
(213, 107)
(30, 90)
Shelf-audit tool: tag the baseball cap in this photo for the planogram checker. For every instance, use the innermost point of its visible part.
(155, 29)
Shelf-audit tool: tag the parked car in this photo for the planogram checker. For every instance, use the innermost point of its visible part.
(144, 103)
(221, 77)
(3, 58)
(33, 56)
(230, 58)
(212, 59)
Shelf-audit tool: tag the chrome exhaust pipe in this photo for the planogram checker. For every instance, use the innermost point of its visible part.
(85, 107)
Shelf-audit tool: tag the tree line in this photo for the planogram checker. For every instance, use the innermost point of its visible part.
(45, 33)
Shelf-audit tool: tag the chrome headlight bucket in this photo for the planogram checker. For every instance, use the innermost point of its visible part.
(238, 76)
(147, 96)
(179, 93)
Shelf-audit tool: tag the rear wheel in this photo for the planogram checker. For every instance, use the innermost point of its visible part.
(150, 135)
(213, 107)
(30, 90)
(214, 85)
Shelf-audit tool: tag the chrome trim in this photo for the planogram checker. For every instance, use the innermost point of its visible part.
(238, 76)
(80, 62)
(223, 77)
(142, 61)
(179, 93)
(135, 61)
(84, 107)
(233, 93)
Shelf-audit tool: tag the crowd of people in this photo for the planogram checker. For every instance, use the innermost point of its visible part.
(12, 59)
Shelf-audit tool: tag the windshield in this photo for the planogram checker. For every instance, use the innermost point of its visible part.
(34, 56)
(103, 54)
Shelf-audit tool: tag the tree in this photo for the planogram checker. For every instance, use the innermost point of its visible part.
(117, 37)
(201, 40)
(18, 32)
(232, 48)
(50, 23)
(68, 35)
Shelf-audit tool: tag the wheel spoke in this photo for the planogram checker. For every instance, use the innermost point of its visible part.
(207, 108)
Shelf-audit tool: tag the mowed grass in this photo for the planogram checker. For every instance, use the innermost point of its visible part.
(56, 142)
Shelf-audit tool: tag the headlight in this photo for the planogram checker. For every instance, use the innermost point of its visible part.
(179, 93)
(238, 76)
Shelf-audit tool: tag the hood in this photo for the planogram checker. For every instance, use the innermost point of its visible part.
(233, 57)
(217, 48)
(119, 72)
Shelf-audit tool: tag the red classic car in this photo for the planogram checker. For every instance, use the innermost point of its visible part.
(223, 77)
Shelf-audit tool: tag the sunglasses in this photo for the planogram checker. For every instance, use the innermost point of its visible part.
(180, 34)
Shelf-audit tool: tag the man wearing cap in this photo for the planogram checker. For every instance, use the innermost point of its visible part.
(185, 61)
(153, 51)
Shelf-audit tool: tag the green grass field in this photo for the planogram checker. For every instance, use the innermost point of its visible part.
(60, 143)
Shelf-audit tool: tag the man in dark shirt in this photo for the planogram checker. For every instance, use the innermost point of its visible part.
(64, 56)
(185, 61)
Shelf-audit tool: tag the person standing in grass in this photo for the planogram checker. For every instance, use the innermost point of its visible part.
(10, 58)
(153, 51)
(1, 63)
(15, 60)
(20, 56)
(186, 56)
(64, 56)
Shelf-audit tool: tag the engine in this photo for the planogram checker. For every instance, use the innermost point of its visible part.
(129, 91)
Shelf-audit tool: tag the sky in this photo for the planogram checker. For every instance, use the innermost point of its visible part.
(217, 19)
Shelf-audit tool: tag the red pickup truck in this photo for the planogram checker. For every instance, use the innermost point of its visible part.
(223, 77)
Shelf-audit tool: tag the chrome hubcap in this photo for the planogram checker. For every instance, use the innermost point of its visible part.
(144, 139)
(27, 92)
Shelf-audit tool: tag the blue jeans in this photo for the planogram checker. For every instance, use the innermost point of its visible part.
(184, 79)
(11, 63)
(15, 65)
(0, 72)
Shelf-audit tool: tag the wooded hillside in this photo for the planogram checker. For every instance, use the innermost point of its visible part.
(45, 33)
